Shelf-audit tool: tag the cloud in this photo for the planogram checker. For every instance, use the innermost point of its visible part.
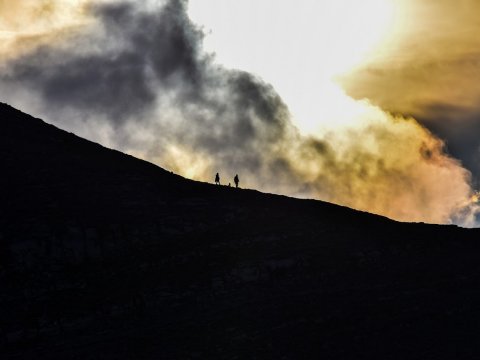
(137, 79)
(431, 72)
(391, 166)
(27, 24)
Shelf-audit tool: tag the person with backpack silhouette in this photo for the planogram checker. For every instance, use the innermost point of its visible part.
(217, 179)
(236, 180)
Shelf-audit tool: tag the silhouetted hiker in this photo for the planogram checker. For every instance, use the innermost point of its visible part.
(217, 179)
(236, 180)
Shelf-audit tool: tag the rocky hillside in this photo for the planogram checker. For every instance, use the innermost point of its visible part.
(104, 256)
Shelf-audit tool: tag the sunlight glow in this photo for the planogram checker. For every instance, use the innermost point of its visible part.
(27, 24)
(299, 47)
(29, 17)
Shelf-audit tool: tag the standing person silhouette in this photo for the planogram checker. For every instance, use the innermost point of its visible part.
(236, 180)
(217, 179)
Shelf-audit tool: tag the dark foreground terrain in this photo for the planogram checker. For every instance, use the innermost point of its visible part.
(104, 256)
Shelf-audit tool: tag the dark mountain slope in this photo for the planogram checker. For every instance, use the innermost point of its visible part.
(106, 256)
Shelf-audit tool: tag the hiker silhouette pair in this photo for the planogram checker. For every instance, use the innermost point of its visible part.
(236, 180)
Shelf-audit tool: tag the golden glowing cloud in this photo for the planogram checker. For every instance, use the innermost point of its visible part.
(430, 66)
(390, 166)
(27, 24)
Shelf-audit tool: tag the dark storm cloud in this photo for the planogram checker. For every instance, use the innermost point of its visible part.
(120, 81)
(139, 58)
(460, 127)
(461, 130)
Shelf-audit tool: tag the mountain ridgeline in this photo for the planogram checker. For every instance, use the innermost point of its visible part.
(106, 256)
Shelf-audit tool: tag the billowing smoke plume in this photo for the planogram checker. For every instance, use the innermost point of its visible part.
(431, 72)
(138, 80)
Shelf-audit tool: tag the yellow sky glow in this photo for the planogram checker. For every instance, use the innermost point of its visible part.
(299, 47)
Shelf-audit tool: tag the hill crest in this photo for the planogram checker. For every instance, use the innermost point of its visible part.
(104, 255)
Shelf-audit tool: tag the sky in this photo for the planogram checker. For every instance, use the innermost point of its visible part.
(371, 104)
